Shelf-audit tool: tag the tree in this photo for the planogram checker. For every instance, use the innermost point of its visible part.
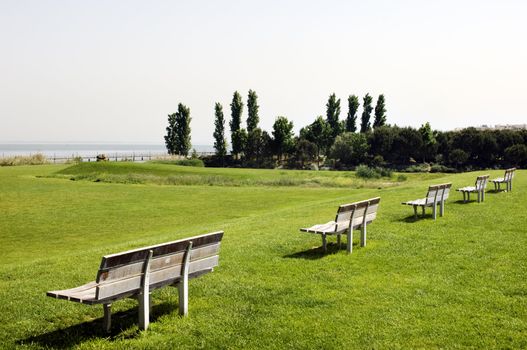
(351, 119)
(350, 148)
(170, 138)
(252, 106)
(332, 114)
(458, 157)
(305, 151)
(256, 144)
(429, 141)
(318, 132)
(220, 143)
(183, 129)
(366, 113)
(282, 136)
(177, 139)
(516, 155)
(380, 112)
(235, 124)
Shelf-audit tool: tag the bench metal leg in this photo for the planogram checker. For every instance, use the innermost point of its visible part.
(434, 210)
(464, 197)
(338, 241)
(363, 235)
(324, 245)
(107, 320)
(144, 309)
(144, 294)
(442, 208)
(349, 247)
(415, 211)
(183, 284)
(423, 210)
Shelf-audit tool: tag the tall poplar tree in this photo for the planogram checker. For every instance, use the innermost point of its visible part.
(220, 143)
(351, 119)
(170, 137)
(252, 106)
(182, 129)
(380, 112)
(366, 113)
(332, 115)
(237, 135)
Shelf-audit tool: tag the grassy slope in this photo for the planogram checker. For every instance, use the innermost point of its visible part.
(455, 282)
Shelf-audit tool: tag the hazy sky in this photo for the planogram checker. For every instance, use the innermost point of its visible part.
(111, 71)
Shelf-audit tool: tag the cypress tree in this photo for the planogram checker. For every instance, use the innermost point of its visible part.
(366, 113)
(252, 106)
(380, 112)
(220, 144)
(332, 114)
(182, 129)
(351, 119)
(235, 124)
(170, 137)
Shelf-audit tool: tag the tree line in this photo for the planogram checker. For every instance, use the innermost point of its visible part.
(343, 144)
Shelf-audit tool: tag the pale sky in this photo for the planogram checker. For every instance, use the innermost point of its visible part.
(111, 71)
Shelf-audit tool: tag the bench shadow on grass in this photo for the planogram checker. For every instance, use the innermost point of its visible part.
(318, 252)
(123, 323)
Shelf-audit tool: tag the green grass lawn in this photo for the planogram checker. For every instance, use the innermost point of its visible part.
(458, 282)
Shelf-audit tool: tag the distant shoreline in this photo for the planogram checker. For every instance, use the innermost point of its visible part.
(85, 149)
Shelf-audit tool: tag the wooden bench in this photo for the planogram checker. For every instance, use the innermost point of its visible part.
(135, 273)
(506, 179)
(349, 217)
(479, 188)
(437, 194)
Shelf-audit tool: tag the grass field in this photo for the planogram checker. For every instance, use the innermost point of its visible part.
(458, 282)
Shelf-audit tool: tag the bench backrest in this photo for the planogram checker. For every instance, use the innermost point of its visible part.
(358, 213)
(122, 273)
(438, 193)
(509, 174)
(481, 182)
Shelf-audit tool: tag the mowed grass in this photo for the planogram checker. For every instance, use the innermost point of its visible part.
(458, 282)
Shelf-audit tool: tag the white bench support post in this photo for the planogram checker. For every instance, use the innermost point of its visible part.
(363, 227)
(349, 247)
(183, 284)
(107, 321)
(144, 294)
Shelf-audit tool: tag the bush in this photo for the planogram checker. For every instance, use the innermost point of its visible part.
(421, 168)
(184, 162)
(439, 168)
(35, 159)
(401, 178)
(367, 172)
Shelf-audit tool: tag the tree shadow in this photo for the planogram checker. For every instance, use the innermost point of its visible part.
(318, 252)
(123, 323)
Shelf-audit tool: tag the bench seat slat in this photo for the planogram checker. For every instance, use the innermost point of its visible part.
(81, 294)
